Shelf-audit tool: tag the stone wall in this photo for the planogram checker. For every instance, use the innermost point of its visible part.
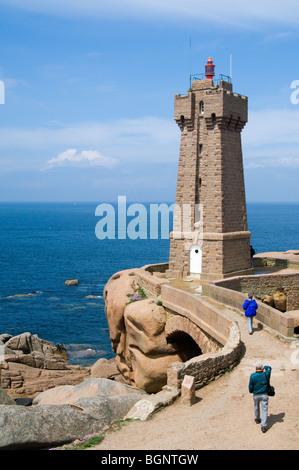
(156, 268)
(208, 367)
(286, 259)
(202, 313)
(150, 281)
(267, 284)
(280, 322)
(232, 291)
(221, 356)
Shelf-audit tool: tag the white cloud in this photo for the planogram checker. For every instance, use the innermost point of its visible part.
(118, 134)
(230, 12)
(284, 162)
(148, 139)
(272, 126)
(72, 157)
(271, 138)
(11, 82)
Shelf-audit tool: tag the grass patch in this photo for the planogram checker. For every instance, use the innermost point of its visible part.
(92, 440)
(86, 442)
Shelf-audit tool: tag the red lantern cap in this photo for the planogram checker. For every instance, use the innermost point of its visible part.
(210, 69)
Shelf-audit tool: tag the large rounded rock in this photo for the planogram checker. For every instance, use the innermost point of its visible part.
(92, 387)
(116, 292)
(105, 368)
(268, 300)
(46, 426)
(280, 301)
(137, 332)
(67, 413)
(5, 399)
(147, 352)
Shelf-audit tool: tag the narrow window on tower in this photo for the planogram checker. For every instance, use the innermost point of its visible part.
(201, 107)
(182, 122)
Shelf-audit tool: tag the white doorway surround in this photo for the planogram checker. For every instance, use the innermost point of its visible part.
(195, 259)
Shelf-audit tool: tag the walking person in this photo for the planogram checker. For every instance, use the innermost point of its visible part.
(252, 253)
(258, 385)
(250, 306)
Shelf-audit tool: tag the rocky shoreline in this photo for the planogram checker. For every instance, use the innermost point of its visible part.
(30, 365)
(61, 402)
(64, 414)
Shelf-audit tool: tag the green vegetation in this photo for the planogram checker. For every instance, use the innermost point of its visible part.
(86, 442)
(139, 295)
(93, 439)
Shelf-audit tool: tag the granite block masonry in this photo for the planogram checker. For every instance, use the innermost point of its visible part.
(216, 242)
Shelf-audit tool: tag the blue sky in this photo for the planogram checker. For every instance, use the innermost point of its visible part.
(89, 91)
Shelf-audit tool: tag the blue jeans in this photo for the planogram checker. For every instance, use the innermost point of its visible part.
(261, 400)
(249, 321)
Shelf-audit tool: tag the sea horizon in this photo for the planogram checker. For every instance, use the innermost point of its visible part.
(45, 243)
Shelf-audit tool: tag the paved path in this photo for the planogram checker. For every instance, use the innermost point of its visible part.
(222, 417)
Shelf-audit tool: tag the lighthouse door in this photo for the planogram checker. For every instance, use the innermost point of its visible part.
(195, 259)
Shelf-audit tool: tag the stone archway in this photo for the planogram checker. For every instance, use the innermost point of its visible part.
(184, 345)
(188, 337)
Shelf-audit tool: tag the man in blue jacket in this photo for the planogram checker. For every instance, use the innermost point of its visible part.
(258, 385)
(250, 306)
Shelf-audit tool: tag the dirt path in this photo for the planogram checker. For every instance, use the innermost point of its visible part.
(222, 418)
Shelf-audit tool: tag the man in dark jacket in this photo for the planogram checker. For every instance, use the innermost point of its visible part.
(258, 385)
(250, 306)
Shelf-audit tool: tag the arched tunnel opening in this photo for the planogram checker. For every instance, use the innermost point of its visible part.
(184, 345)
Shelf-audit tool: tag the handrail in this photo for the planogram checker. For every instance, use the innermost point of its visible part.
(201, 76)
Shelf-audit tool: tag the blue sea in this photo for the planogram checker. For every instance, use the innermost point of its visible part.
(43, 244)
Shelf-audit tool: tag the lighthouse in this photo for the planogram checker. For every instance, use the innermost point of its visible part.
(210, 238)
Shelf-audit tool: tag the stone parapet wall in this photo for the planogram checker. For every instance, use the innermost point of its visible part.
(231, 291)
(156, 268)
(267, 284)
(203, 314)
(150, 283)
(208, 318)
(287, 259)
(281, 322)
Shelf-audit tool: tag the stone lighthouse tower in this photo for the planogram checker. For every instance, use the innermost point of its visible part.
(210, 238)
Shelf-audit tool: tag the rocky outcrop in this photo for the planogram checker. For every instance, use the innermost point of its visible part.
(95, 404)
(280, 301)
(116, 292)
(71, 282)
(5, 399)
(31, 365)
(106, 368)
(137, 332)
(93, 387)
(31, 350)
(146, 352)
